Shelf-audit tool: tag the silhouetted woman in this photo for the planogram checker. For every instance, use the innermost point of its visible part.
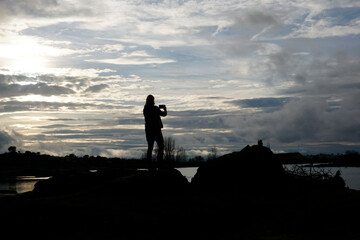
(153, 126)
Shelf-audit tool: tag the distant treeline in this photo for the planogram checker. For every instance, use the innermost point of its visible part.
(30, 163)
(34, 163)
(349, 158)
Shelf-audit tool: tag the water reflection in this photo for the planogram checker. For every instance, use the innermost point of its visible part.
(188, 172)
(19, 184)
(351, 175)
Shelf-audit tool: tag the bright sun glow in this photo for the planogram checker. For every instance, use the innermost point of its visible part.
(28, 55)
(29, 65)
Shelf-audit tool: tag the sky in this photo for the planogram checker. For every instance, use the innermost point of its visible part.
(74, 75)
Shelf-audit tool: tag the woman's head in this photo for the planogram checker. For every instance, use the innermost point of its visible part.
(150, 100)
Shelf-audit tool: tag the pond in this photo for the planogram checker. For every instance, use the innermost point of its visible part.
(351, 175)
(19, 184)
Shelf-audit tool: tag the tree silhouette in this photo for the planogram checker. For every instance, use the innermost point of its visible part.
(213, 152)
(12, 149)
(169, 149)
(180, 154)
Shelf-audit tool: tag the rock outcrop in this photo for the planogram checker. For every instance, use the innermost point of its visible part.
(163, 181)
(254, 168)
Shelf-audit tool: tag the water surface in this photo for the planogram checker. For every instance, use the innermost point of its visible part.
(22, 184)
(19, 184)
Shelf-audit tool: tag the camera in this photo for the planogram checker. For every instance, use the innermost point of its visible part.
(162, 106)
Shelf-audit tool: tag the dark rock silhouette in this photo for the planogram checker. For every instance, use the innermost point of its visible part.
(164, 181)
(70, 183)
(254, 168)
(126, 203)
(160, 182)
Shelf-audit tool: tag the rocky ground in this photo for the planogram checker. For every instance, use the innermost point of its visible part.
(162, 204)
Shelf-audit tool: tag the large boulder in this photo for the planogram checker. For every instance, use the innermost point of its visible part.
(72, 182)
(253, 169)
(164, 181)
(159, 182)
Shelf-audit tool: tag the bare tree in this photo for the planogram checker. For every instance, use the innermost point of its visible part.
(143, 155)
(213, 152)
(169, 148)
(180, 154)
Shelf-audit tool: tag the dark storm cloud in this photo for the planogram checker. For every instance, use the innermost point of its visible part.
(334, 79)
(8, 89)
(5, 138)
(8, 79)
(261, 102)
(300, 121)
(8, 139)
(96, 88)
(323, 87)
(291, 64)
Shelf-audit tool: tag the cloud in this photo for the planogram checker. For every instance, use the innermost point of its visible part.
(240, 71)
(25, 7)
(197, 123)
(44, 8)
(330, 21)
(96, 88)
(323, 29)
(132, 61)
(134, 58)
(129, 121)
(257, 18)
(5, 139)
(85, 140)
(335, 75)
(261, 102)
(11, 90)
(298, 122)
(112, 48)
(15, 106)
(196, 113)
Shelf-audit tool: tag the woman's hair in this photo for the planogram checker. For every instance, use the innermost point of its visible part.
(150, 100)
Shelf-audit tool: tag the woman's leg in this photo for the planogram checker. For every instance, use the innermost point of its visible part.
(160, 143)
(150, 140)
